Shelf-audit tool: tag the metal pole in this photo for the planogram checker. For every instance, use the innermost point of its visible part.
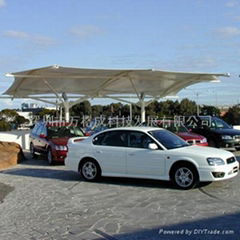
(130, 113)
(60, 117)
(143, 113)
(198, 110)
(66, 111)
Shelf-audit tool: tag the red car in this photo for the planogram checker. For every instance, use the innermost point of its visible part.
(184, 133)
(52, 138)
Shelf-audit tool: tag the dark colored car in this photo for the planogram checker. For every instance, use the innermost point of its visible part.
(184, 133)
(217, 132)
(52, 138)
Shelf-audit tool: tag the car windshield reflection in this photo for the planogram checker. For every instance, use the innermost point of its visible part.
(64, 131)
(168, 139)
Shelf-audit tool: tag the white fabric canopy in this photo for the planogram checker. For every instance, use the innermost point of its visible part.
(79, 83)
(102, 82)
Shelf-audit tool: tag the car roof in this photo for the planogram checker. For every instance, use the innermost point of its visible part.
(142, 129)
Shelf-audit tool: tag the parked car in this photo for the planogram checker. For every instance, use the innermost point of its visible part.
(218, 132)
(180, 130)
(51, 139)
(153, 153)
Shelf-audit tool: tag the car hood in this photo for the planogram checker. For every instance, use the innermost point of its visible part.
(188, 135)
(202, 151)
(227, 131)
(59, 141)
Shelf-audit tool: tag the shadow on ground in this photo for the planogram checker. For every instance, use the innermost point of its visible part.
(65, 175)
(222, 227)
(4, 191)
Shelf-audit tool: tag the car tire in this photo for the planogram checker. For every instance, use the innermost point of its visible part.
(90, 170)
(50, 157)
(32, 151)
(185, 176)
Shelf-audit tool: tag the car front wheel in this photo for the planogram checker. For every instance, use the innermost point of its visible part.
(185, 177)
(90, 170)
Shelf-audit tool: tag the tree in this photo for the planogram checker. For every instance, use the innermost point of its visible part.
(210, 110)
(232, 116)
(9, 115)
(97, 110)
(187, 107)
(21, 120)
(81, 109)
(46, 113)
(4, 126)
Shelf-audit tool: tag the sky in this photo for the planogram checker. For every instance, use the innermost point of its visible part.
(173, 35)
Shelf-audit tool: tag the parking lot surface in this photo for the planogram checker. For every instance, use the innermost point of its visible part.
(41, 202)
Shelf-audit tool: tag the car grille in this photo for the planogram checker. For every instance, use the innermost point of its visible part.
(231, 160)
(194, 142)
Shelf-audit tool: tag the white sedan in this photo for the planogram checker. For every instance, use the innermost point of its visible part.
(153, 153)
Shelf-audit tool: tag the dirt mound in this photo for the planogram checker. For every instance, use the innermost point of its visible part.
(10, 154)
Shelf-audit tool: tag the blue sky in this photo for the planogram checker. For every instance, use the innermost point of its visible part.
(178, 35)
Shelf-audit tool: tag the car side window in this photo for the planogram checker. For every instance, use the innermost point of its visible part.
(98, 139)
(111, 138)
(138, 140)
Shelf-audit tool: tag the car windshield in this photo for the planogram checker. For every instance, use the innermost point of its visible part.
(168, 139)
(64, 131)
(217, 123)
(176, 128)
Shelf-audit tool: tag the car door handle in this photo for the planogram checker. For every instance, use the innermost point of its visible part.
(98, 151)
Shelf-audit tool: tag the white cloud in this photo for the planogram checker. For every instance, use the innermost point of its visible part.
(194, 64)
(86, 31)
(228, 32)
(232, 4)
(43, 40)
(15, 34)
(35, 39)
(2, 3)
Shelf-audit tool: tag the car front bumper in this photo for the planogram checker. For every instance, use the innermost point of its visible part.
(230, 143)
(59, 156)
(218, 173)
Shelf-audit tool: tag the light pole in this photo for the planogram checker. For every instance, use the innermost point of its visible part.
(198, 110)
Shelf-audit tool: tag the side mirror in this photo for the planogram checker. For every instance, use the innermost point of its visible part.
(42, 135)
(152, 146)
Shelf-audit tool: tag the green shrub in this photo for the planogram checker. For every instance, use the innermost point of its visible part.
(4, 126)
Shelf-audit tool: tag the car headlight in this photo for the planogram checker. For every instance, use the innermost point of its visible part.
(204, 140)
(215, 161)
(61, 148)
(226, 137)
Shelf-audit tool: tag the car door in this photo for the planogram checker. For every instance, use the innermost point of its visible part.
(142, 161)
(35, 138)
(110, 151)
(41, 142)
